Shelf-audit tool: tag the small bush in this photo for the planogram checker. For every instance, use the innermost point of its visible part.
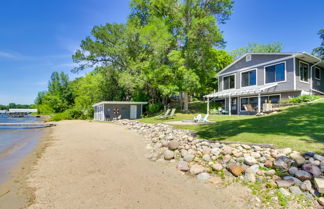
(61, 116)
(304, 98)
(154, 108)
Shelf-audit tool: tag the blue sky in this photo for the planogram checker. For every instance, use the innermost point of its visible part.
(38, 37)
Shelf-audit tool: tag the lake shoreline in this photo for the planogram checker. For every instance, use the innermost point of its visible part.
(15, 192)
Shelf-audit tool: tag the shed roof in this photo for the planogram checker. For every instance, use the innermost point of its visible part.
(119, 102)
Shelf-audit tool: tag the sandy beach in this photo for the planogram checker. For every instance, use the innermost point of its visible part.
(103, 165)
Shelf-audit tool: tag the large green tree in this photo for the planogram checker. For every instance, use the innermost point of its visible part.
(166, 47)
(257, 48)
(319, 51)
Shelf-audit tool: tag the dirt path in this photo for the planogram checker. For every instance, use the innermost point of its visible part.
(102, 165)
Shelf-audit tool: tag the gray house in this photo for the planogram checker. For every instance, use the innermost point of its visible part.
(105, 111)
(258, 77)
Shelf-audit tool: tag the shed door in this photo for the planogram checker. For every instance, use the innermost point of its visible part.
(133, 111)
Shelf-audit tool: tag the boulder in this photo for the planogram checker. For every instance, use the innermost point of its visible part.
(313, 169)
(252, 169)
(285, 183)
(322, 167)
(255, 155)
(284, 191)
(250, 160)
(319, 157)
(319, 184)
(306, 185)
(226, 150)
(168, 155)
(215, 151)
(283, 163)
(292, 170)
(303, 175)
(270, 172)
(236, 170)
(188, 157)
(321, 201)
(196, 169)
(173, 145)
(298, 158)
(217, 167)
(295, 190)
(182, 166)
(310, 154)
(297, 181)
(268, 164)
(203, 176)
(206, 157)
(250, 177)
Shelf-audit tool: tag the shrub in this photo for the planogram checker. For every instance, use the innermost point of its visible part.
(304, 98)
(61, 116)
(154, 108)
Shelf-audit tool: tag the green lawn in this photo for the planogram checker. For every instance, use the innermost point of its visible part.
(300, 127)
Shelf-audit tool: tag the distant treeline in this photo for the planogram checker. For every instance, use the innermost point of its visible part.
(16, 106)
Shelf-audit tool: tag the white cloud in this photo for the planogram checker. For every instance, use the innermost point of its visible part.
(7, 55)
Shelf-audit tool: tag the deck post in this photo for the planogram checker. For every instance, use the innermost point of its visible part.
(207, 105)
(259, 102)
(229, 105)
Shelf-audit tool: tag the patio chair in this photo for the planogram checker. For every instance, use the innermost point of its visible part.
(172, 114)
(197, 118)
(165, 115)
(205, 119)
(249, 109)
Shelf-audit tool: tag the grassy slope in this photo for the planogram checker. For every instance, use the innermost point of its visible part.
(300, 127)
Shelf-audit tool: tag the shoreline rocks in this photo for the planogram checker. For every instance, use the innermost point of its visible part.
(294, 173)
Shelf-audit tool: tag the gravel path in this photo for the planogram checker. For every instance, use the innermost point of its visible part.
(102, 165)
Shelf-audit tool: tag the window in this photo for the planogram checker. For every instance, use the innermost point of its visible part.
(254, 101)
(303, 71)
(317, 73)
(229, 82)
(275, 73)
(249, 78)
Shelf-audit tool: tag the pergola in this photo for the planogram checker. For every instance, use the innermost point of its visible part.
(229, 93)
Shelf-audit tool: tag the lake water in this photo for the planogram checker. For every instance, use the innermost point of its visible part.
(16, 143)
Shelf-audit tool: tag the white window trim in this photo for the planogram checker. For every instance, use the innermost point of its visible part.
(278, 63)
(319, 78)
(300, 74)
(267, 95)
(229, 76)
(256, 77)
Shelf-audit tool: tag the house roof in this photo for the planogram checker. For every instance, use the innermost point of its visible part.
(301, 55)
(250, 90)
(119, 102)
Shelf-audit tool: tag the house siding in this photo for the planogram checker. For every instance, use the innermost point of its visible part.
(287, 85)
(124, 110)
(256, 59)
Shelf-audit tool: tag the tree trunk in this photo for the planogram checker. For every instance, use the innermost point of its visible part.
(185, 101)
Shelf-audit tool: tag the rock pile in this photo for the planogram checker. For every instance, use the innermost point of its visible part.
(295, 174)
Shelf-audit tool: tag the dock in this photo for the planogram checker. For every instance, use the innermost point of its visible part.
(27, 125)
